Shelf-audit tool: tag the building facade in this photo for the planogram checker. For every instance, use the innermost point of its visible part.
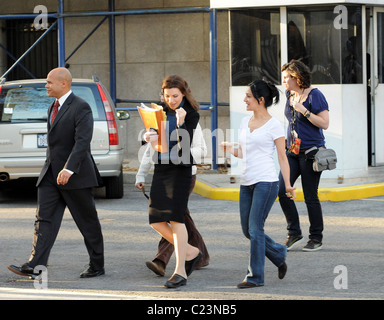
(148, 47)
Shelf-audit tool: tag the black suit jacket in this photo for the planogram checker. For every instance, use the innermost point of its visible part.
(69, 139)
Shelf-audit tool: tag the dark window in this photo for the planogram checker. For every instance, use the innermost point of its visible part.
(21, 35)
(380, 46)
(255, 46)
(333, 53)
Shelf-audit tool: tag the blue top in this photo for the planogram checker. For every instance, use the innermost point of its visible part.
(172, 136)
(309, 134)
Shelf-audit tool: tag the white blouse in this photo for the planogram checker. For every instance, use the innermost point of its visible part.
(258, 148)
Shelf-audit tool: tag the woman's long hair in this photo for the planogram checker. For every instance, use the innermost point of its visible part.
(175, 81)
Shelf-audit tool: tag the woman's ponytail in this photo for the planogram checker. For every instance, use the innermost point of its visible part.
(267, 90)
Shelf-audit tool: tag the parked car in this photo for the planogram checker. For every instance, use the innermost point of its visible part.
(23, 131)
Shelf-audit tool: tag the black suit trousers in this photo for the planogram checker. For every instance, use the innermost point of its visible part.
(52, 202)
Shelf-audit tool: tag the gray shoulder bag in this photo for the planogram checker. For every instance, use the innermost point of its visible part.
(323, 159)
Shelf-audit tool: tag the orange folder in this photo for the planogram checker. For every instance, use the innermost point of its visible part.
(155, 118)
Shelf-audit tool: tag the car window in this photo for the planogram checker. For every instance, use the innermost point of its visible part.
(24, 104)
(86, 93)
(31, 103)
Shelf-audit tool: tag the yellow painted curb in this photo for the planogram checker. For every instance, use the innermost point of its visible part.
(325, 194)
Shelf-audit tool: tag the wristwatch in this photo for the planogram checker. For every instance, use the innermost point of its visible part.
(307, 114)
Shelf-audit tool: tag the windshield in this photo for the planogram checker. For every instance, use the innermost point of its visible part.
(31, 103)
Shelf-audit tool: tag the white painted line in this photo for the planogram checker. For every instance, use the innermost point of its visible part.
(48, 294)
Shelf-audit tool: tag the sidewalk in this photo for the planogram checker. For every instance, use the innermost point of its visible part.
(218, 186)
(215, 185)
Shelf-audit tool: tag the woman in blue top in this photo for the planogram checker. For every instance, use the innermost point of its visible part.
(307, 113)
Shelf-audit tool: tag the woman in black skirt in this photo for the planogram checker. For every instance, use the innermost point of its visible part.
(173, 176)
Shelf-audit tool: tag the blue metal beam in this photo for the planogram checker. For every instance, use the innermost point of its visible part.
(137, 12)
(226, 104)
(61, 34)
(112, 52)
(213, 61)
(24, 16)
(203, 105)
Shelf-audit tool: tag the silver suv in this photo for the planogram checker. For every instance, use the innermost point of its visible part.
(23, 130)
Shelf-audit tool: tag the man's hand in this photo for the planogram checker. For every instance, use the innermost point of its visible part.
(63, 177)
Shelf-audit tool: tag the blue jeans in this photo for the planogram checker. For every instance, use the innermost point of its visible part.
(300, 166)
(255, 203)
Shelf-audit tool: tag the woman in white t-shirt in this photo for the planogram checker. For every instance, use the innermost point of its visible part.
(259, 136)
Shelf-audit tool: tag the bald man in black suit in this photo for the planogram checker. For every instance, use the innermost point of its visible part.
(67, 178)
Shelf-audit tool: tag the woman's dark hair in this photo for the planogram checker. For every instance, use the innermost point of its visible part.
(299, 71)
(268, 91)
(175, 81)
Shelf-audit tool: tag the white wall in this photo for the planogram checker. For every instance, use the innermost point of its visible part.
(225, 4)
(355, 131)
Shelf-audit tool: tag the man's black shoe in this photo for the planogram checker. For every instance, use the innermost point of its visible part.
(91, 272)
(25, 270)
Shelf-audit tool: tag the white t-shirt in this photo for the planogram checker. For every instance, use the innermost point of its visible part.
(258, 149)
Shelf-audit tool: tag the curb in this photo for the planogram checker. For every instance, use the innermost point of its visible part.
(325, 194)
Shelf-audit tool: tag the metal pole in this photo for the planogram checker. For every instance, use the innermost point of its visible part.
(138, 12)
(24, 16)
(374, 28)
(213, 60)
(112, 52)
(61, 34)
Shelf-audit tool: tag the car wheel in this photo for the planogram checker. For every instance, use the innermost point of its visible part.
(114, 187)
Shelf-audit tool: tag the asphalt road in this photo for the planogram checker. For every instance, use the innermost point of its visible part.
(348, 267)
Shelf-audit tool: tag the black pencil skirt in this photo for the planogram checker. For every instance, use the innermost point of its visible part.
(169, 193)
